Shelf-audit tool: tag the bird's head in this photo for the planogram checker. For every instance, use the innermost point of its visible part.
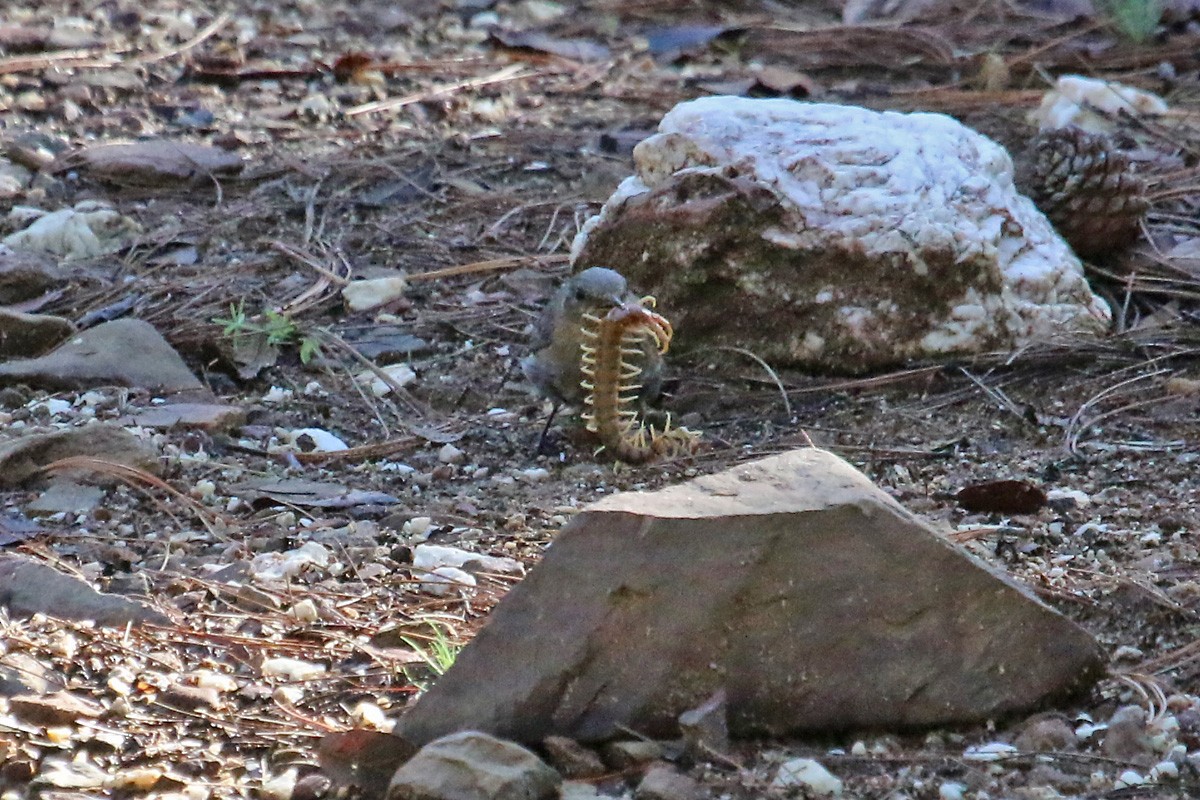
(596, 286)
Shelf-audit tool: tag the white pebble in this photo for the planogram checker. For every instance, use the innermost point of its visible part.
(292, 669)
(444, 580)
(306, 611)
(449, 454)
(1128, 778)
(810, 774)
(951, 791)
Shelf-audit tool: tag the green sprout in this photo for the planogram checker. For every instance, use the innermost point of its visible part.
(278, 330)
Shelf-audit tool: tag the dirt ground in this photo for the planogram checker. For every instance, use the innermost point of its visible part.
(381, 136)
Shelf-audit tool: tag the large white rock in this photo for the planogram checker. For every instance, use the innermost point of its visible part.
(838, 237)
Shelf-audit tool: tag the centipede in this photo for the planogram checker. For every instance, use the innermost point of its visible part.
(609, 353)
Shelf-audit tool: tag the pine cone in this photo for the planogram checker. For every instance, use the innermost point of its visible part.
(1086, 188)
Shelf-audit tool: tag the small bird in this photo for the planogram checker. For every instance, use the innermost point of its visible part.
(553, 366)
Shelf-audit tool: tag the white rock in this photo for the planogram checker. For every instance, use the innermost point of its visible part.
(852, 234)
(1092, 104)
(277, 394)
(810, 774)
(446, 580)
(322, 440)
(373, 292)
(281, 566)
(1164, 770)
(306, 610)
(951, 790)
(88, 230)
(278, 787)
(401, 374)
(1128, 778)
(993, 751)
(417, 527)
(449, 454)
(432, 556)
(292, 669)
(1080, 499)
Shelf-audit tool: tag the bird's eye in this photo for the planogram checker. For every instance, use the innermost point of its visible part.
(580, 295)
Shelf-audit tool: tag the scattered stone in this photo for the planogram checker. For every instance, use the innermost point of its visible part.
(571, 759)
(65, 496)
(1044, 733)
(191, 698)
(287, 565)
(992, 751)
(838, 238)
(399, 374)
(28, 588)
(27, 335)
(125, 352)
(705, 729)
(1126, 738)
(373, 292)
(449, 454)
(664, 782)
(60, 708)
(809, 774)
(308, 494)
(446, 580)
(88, 230)
(810, 564)
(203, 416)
(628, 754)
(473, 766)
(578, 790)
(24, 276)
(23, 457)
(21, 673)
(155, 162)
(432, 556)
(315, 440)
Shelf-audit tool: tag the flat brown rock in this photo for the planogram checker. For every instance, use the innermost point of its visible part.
(793, 583)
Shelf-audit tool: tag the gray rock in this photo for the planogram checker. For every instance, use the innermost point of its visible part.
(663, 782)
(28, 588)
(793, 583)
(473, 766)
(125, 352)
(25, 335)
(204, 416)
(65, 496)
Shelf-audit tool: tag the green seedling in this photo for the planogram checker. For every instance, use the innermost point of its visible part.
(278, 330)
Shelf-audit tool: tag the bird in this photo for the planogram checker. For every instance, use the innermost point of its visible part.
(553, 366)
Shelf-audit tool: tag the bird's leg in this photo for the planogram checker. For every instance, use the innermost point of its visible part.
(541, 445)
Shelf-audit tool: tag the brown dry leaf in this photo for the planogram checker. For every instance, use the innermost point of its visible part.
(1002, 497)
(156, 162)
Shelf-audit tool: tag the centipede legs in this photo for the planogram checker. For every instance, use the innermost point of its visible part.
(609, 361)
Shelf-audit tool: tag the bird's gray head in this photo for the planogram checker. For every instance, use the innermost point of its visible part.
(596, 286)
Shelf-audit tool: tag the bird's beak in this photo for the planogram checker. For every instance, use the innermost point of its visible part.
(617, 300)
